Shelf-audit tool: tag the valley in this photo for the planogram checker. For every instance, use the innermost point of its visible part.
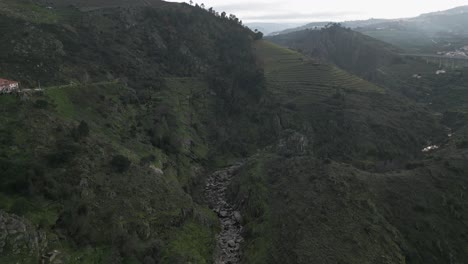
(167, 133)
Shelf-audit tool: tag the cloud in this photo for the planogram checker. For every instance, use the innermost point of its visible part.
(329, 10)
(248, 7)
(298, 16)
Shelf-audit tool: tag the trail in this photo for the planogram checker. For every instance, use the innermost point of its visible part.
(229, 240)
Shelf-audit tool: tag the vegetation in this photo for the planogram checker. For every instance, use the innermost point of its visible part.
(142, 99)
(319, 205)
(348, 49)
(119, 136)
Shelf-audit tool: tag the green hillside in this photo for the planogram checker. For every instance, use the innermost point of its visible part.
(145, 105)
(305, 204)
(139, 102)
(348, 49)
(369, 121)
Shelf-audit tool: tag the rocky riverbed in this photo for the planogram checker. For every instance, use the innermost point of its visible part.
(229, 240)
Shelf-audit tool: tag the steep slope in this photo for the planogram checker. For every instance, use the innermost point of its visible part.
(137, 104)
(347, 49)
(141, 100)
(348, 116)
(303, 205)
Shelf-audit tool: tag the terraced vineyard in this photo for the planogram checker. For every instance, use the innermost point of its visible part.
(297, 78)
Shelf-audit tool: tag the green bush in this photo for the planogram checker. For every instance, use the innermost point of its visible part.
(148, 159)
(41, 104)
(65, 152)
(20, 206)
(120, 163)
(463, 144)
(81, 131)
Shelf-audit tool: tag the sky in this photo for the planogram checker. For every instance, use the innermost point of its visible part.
(301, 11)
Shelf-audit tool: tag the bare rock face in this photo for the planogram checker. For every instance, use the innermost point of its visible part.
(19, 236)
(293, 143)
(157, 171)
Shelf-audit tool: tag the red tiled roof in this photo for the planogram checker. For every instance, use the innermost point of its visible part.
(5, 81)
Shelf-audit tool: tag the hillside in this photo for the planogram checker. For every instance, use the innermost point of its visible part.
(138, 104)
(303, 204)
(167, 133)
(350, 50)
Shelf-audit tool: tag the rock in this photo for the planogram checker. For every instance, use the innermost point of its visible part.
(156, 171)
(292, 143)
(20, 235)
(228, 240)
(223, 214)
(237, 217)
(231, 243)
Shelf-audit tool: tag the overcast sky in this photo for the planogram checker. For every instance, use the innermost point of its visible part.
(320, 10)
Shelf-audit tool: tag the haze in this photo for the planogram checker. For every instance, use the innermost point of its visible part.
(297, 11)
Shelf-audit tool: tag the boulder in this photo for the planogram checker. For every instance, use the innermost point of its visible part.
(232, 243)
(223, 214)
(237, 217)
(156, 171)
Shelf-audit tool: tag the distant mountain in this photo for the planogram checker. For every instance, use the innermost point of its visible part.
(350, 24)
(348, 49)
(426, 33)
(268, 28)
(453, 11)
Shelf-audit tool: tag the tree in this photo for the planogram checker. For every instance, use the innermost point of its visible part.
(258, 35)
(81, 131)
(191, 2)
(120, 163)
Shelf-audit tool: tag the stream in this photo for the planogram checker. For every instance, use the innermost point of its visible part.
(229, 240)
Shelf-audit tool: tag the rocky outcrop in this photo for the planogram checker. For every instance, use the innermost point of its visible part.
(292, 143)
(18, 236)
(229, 240)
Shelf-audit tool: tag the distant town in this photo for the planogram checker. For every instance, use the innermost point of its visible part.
(458, 53)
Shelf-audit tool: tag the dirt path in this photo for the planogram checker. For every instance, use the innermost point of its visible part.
(229, 240)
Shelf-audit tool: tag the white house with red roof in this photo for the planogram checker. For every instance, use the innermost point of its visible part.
(8, 86)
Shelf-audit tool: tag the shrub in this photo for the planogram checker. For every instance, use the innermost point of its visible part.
(120, 163)
(463, 144)
(148, 159)
(20, 206)
(41, 104)
(65, 151)
(81, 131)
